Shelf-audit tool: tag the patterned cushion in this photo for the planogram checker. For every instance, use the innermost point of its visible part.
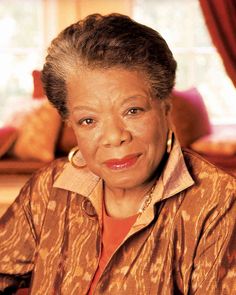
(38, 134)
(8, 136)
(38, 91)
(189, 116)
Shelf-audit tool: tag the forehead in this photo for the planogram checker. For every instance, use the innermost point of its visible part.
(114, 81)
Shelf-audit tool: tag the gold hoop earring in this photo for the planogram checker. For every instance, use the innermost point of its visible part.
(169, 141)
(71, 159)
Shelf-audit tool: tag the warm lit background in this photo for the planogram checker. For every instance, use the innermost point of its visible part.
(27, 26)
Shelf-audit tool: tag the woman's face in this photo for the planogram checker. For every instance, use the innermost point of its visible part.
(121, 130)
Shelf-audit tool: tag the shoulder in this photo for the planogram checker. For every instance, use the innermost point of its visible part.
(50, 172)
(213, 193)
(210, 204)
(37, 189)
(204, 172)
(36, 193)
(207, 225)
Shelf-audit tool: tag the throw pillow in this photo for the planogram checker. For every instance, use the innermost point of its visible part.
(38, 91)
(38, 134)
(189, 116)
(8, 136)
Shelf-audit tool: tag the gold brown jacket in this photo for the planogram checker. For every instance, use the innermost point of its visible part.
(183, 243)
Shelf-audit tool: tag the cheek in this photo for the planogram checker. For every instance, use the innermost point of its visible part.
(88, 144)
(152, 131)
(84, 142)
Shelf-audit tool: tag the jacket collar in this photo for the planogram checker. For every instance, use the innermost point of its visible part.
(174, 179)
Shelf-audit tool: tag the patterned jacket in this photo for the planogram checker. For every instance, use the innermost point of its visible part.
(183, 243)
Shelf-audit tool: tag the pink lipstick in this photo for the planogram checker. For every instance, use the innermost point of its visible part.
(123, 163)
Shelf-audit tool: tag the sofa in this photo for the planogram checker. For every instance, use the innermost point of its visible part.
(34, 137)
(216, 143)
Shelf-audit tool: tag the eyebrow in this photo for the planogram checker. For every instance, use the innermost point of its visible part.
(90, 108)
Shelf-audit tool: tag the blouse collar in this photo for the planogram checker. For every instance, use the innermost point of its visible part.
(174, 179)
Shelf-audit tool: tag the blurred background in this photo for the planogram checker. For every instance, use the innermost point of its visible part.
(27, 27)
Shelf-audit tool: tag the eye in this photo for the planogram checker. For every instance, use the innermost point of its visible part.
(86, 122)
(134, 111)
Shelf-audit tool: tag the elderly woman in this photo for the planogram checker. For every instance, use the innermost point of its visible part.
(129, 213)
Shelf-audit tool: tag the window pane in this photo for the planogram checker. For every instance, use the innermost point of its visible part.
(181, 23)
(21, 23)
(21, 49)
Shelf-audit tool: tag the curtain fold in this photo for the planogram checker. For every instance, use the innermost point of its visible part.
(220, 18)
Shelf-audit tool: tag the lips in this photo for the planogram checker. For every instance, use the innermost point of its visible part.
(126, 162)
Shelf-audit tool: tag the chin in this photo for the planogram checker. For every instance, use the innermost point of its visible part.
(125, 181)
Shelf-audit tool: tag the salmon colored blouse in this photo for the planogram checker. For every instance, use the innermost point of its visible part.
(114, 232)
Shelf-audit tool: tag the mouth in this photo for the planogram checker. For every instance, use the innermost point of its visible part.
(124, 163)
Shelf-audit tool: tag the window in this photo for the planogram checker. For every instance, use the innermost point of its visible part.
(21, 51)
(182, 25)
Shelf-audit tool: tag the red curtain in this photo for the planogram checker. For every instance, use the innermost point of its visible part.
(220, 17)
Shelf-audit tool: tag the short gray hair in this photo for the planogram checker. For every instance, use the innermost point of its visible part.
(104, 42)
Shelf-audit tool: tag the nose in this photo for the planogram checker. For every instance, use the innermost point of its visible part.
(115, 133)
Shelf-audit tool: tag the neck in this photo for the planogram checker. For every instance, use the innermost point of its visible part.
(122, 203)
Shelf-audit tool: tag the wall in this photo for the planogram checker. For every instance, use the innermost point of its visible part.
(61, 13)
